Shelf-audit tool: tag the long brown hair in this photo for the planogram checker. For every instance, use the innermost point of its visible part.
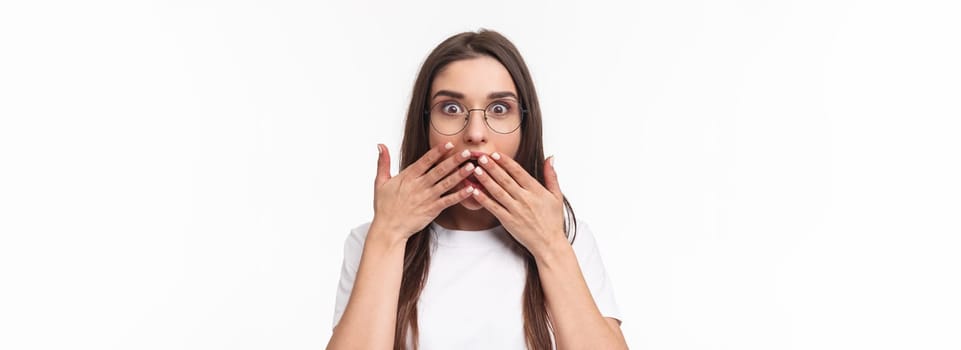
(530, 154)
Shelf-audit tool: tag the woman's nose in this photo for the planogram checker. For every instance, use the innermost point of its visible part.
(476, 131)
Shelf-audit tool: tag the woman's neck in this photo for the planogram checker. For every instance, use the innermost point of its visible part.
(459, 218)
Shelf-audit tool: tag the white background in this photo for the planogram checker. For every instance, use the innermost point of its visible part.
(759, 174)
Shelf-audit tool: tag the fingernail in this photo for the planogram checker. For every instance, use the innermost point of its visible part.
(496, 156)
(483, 160)
(478, 171)
(379, 150)
(465, 153)
(469, 167)
(552, 160)
(448, 145)
(470, 189)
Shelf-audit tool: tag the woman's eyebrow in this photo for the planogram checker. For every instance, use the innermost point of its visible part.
(448, 93)
(491, 96)
(501, 94)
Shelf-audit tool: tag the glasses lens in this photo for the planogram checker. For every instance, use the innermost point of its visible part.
(448, 117)
(504, 116)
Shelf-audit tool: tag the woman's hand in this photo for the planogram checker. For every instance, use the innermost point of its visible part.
(404, 204)
(532, 213)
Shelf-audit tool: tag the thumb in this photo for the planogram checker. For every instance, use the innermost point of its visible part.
(550, 177)
(383, 165)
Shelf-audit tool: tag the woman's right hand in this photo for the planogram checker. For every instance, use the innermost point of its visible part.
(406, 203)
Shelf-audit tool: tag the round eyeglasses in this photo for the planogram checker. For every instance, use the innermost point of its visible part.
(451, 117)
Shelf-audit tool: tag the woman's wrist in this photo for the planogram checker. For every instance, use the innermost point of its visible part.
(552, 250)
(385, 234)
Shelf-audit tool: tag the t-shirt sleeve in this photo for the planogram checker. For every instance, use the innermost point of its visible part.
(592, 267)
(353, 249)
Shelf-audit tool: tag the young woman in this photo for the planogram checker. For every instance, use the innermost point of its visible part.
(472, 244)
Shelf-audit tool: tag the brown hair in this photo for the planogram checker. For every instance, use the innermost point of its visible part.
(530, 154)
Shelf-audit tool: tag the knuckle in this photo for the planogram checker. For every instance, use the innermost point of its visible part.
(439, 189)
(427, 159)
(422, 183)
(440, 170)
(448, 182)
(443, 185)
(449, 201)
(428, 178)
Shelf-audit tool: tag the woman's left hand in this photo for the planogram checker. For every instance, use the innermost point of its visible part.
(532, 213)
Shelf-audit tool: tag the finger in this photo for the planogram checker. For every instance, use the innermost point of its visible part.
(498, 174)
(516, 171)
(494, 189)
(550, 178)
(452, 180)
(383, 165)
(491, 205)
(428, 159)
(453, 198)
(445, 167)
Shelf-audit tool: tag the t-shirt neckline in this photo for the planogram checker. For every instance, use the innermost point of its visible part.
(494, 236)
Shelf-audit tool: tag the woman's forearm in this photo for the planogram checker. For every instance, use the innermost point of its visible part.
(370, 317)
(578, 324)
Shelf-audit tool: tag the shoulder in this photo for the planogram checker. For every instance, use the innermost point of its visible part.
(359, 231)
(354, 246)
(587, 246)
(354, 242)
(583, 238)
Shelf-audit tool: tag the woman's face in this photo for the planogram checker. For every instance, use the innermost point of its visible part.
(475, 83)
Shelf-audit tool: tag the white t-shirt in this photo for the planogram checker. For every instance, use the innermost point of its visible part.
(472, 296)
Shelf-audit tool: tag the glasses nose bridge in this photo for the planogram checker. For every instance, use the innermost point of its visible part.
(467, 115)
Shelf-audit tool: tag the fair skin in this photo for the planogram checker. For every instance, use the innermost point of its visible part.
(500, 192)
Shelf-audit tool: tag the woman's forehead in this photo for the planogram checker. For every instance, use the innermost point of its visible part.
(475, 78)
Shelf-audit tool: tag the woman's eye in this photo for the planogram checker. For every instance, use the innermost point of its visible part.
(500, 108)
(452, 109)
